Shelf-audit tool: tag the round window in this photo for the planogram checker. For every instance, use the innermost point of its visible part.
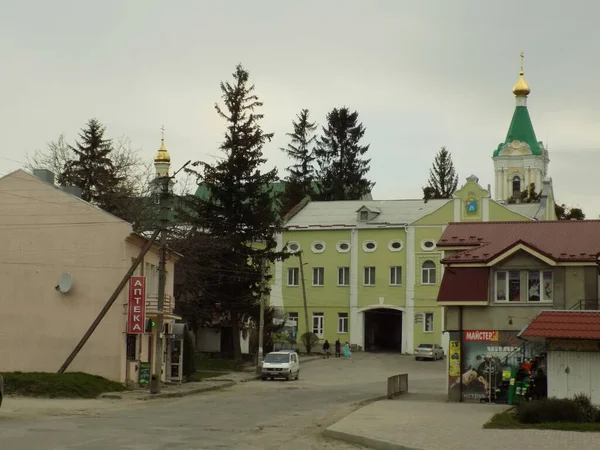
(369, 246)
(428, 244)
(343, 246)
(293, 247)
(318, 247)
(395, 246)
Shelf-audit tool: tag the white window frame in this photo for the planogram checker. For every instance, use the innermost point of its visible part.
(318, 276)
(293, 317)
(541, 274)
(429, 271)
(342, 323)
(425, 248)
(369, 250)
(320, 328)
(394, 271)
(425, 315)
(394, 241)
(289, 244)
(341, 250)
(316, 250)
(344, 273)
(295, 277)
(507, 286)
(369, 280)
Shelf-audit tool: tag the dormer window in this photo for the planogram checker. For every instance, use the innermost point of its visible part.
(364, 215)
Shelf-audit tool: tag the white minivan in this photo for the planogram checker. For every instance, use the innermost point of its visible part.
(281, 364)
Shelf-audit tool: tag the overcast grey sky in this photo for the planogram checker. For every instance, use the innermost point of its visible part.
(422, 74)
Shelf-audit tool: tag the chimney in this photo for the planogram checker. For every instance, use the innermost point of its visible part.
(45, 175)
(73, 190)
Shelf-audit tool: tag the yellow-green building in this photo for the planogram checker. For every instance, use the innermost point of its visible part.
(372, 268)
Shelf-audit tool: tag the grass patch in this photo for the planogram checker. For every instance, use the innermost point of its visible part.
(224, 365)
(54, 385)
(203, 375)
(508, 420)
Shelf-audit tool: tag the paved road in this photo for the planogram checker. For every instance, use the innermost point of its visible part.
(254, 415)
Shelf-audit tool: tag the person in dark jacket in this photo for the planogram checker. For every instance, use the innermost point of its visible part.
(326, 348)
(338, 348)
(540, 385)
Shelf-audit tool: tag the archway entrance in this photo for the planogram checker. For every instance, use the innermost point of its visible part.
(383, 330)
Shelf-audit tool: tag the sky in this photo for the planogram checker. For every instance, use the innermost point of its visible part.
(421, 75)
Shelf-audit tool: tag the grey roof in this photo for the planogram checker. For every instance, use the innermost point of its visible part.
(526, 209)
(344, 213)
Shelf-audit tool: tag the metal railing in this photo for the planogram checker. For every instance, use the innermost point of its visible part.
(527, 350)
(396, 385)
(591, 304)
(152, 304)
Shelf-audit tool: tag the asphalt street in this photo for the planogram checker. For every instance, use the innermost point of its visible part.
(254, 415)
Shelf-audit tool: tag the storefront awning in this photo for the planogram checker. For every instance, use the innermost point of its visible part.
(464, 286)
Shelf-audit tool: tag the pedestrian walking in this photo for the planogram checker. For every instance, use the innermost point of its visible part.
(338, 349)
(347, 352)
(326, 348)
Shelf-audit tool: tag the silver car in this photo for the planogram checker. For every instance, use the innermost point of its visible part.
(429, 351)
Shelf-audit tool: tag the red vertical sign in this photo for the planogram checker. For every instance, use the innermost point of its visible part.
(136, 311)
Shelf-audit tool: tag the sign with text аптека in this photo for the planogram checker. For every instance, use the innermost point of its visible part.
(136, 310)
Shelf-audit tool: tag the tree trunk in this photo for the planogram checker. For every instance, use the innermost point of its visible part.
(235, 330)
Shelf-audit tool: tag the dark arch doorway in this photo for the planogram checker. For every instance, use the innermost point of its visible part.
(383, 330)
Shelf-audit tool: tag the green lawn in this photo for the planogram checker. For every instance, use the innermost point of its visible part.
(53, 385)
(507, 420)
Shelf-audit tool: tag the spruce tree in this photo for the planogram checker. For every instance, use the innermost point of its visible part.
(237, 218)
(301, 174)
(443, 179)
(93, 171)
(342, 169)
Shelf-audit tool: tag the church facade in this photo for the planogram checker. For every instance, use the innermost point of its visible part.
(368, 272)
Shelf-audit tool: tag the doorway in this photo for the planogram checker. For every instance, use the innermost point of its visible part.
(383, 330)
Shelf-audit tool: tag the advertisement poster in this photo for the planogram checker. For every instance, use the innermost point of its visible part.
(482, 354)
(454, 359)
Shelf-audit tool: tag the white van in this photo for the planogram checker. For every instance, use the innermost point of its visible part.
(281, 364)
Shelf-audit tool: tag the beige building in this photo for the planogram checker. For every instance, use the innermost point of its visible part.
(61, 260)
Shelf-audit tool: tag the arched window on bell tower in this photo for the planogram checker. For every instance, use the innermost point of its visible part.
(516, 186)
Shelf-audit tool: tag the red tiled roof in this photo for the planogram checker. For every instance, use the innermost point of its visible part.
(559, 240)
(464, 284)
(564, 324)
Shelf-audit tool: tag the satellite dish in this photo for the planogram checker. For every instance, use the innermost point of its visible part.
(65, 283)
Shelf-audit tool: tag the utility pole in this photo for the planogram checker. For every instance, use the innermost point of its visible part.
(163, 181)
(261, 324)
(304, 296)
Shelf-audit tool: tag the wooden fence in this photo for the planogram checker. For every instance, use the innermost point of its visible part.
(396, 385)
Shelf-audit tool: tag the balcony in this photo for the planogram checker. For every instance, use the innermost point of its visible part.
(592, 304)
(152, 304)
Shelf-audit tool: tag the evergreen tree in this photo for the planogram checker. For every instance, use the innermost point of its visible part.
(93, 171)
(342, 171)
(301, 174)
(237, 217)
(443, 179)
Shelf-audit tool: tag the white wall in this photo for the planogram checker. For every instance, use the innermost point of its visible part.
(582, 377)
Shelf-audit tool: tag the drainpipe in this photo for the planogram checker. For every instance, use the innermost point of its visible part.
(462, 352)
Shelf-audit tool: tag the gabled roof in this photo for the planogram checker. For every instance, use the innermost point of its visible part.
(344, 213)
(565, 325)
(558, 240)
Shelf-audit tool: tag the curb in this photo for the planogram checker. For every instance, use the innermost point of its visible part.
(365, 441)
(226, 384)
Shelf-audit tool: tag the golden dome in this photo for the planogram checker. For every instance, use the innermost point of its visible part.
(521, 88)
(163, 154)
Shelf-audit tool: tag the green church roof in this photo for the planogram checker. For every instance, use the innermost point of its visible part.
(521, 129)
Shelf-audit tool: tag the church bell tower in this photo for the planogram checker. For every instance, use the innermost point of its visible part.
(521, 159)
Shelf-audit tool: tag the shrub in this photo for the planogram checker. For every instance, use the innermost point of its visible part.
(57, 385)
(577, 410)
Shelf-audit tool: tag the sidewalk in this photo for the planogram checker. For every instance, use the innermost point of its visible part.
(181, 390)
(418, 422)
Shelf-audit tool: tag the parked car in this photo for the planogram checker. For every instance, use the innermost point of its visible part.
(281, 364)
(429, 351)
